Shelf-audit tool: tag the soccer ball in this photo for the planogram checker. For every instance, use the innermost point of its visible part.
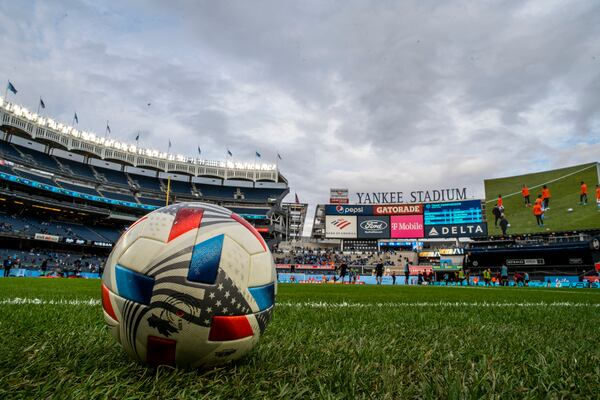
(190, 284)
(569, 210)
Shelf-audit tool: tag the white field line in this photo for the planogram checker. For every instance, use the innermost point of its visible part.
(60, 302)
(458, 304)
(321, 304)
(545, 183)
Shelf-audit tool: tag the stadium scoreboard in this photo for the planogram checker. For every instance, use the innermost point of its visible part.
(461, 212)
(405, 221)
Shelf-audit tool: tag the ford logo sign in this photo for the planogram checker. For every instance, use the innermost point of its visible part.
(373, 225)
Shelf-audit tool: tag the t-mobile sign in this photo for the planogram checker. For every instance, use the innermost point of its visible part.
(406, 226)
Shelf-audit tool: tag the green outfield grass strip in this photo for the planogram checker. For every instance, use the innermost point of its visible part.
(459, 304)
(545, 183)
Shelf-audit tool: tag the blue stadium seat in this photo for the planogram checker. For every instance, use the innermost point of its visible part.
(179, 187)
(215, 191)
(79, 169)
(112, 176)
(37, 178)
(43, 160)
(80, 189)
(110, 234)
(8, 151)
(152, 202)
(146, 182)
(118, 196)
(6, 169)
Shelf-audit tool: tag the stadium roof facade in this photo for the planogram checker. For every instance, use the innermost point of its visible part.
(18, 120)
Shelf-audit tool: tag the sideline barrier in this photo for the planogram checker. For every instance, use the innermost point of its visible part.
(34, 273)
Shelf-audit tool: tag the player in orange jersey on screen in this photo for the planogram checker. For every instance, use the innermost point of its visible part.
(525, 194)
(583, 194)
(546, 197)
(538, 211)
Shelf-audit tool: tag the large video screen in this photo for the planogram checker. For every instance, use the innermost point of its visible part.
(405, 221)
(566, 209)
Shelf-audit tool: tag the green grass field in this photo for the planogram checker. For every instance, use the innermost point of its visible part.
(324, 342)
(565, 195)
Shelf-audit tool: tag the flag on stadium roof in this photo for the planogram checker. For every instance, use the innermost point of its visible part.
(169, 143)
(258, 154)
(297, 199)
(279, 156)
(229, 152)
(199, 151)
(75, 119)
(42, 103)
(137, 137)
(11, 87)
(107, 127)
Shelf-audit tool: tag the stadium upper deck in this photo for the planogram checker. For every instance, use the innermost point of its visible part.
(49, 170)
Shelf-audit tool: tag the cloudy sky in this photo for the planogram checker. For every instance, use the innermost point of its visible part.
(373, 96)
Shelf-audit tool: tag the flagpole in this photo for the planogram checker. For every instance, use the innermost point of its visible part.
(106, 131)
(6, 90)
(39, 103)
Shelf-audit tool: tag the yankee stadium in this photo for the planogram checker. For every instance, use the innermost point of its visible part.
(293, 200)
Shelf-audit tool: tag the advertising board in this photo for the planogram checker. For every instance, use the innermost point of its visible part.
(458, 212)
(406, 226)
(397, 209)
(340, 227)
(339, 209)
(46, 237)
(456, 230)
(376, 227)
(338, 196)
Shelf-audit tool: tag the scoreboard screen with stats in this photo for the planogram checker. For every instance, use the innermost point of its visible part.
(459, 212)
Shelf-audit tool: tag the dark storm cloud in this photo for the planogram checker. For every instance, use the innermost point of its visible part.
(368, 95)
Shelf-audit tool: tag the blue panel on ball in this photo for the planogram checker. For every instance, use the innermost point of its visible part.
(264, 295)
(133, 285)
(206, 257)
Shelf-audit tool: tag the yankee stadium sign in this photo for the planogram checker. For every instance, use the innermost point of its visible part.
(417, 196)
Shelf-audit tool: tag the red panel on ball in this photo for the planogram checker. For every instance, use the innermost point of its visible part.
(106, 304)
(186, 219)
(160, 351)
(250, 228)
(229, 328)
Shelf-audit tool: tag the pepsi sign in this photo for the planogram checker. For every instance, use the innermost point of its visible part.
(342, 209)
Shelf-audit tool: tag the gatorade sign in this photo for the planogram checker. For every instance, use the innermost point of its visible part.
(456, 230)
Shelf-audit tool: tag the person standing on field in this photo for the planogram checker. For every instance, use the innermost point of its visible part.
(487, 277)
(406, 271)
(598, 197)
(393, 277)
(583, 194)
(504, 275)
(7, 265)
(500, 202)
(343, 272)
(546, 197)
(525, 194)
(379, 272)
